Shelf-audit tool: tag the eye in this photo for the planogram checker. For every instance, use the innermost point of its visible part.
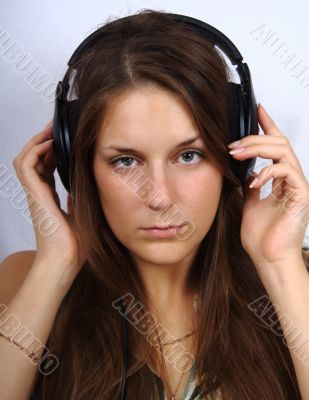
(127, 158)
(121, 159)
(192, 152)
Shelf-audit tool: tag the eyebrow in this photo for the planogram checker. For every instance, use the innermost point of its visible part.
(128, 150)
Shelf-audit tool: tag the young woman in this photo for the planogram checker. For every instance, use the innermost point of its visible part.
(221, 290)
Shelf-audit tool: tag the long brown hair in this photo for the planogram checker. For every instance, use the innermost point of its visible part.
(235, 351)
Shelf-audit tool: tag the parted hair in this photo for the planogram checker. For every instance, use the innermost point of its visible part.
(236, 350)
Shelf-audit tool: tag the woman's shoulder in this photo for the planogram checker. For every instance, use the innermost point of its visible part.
(22, 257)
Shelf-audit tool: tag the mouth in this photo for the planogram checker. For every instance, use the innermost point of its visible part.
(164, 228)
(163, 232)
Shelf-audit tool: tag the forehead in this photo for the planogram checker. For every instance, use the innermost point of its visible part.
(147, 112)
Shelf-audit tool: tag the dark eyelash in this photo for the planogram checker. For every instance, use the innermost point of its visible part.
(185, 151)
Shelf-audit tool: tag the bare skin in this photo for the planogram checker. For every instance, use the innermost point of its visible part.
(153, 122)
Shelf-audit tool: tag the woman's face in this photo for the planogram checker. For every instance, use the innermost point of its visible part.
(158, 172)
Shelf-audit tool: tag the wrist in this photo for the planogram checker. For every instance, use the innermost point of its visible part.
(59, 273)
(283, 275)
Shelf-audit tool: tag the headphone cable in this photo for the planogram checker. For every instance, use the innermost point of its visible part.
(125, 352)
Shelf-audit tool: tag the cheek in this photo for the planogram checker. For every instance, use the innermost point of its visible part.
(201, 197)
(197, 196)
(117, 200)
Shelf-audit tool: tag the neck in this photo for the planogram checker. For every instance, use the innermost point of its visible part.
(166, 285)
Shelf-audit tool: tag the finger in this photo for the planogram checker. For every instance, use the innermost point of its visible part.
(281, 171)
(294, 190)
(49, 124)
(49, 160)
(276, 152)
(41, 137)
(27, 168)
(267, 123)
(49, 167)
(250, 196)
(259, 139)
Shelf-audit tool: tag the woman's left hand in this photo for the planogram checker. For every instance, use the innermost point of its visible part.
(273, 229)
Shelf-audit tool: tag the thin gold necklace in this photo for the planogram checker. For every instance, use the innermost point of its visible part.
(173, 393)
(195, 307)
(176, 340)
(176, 390)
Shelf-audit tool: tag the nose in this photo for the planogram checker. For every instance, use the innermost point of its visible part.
(159, 187)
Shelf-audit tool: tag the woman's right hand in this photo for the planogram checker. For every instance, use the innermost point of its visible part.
(54, 229)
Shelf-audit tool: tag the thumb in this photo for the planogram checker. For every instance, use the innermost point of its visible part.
(251, 195)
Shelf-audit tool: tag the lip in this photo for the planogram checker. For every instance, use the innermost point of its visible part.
(163, 232)
(163, 227)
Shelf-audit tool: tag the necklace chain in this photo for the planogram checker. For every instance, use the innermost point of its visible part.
(176, 340)
(195, 306)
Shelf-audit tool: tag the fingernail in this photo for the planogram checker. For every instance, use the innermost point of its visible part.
(234, 144)
(237, 150)
(253, 183)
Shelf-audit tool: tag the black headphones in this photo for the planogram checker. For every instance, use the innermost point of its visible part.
(243, 121)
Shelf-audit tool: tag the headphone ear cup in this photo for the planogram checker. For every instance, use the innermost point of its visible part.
(64, 129)
(243, 165)
(72, 114)
(71, 121)
(235, 111)
(249, 124)
(60, 151)
(239, 127)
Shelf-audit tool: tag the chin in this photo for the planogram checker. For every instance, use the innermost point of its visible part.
(162, 253)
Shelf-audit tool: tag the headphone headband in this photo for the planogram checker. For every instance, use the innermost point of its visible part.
(213, 34)
(242, 115)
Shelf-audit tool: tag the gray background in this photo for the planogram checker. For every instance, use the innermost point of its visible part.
(47, 33)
